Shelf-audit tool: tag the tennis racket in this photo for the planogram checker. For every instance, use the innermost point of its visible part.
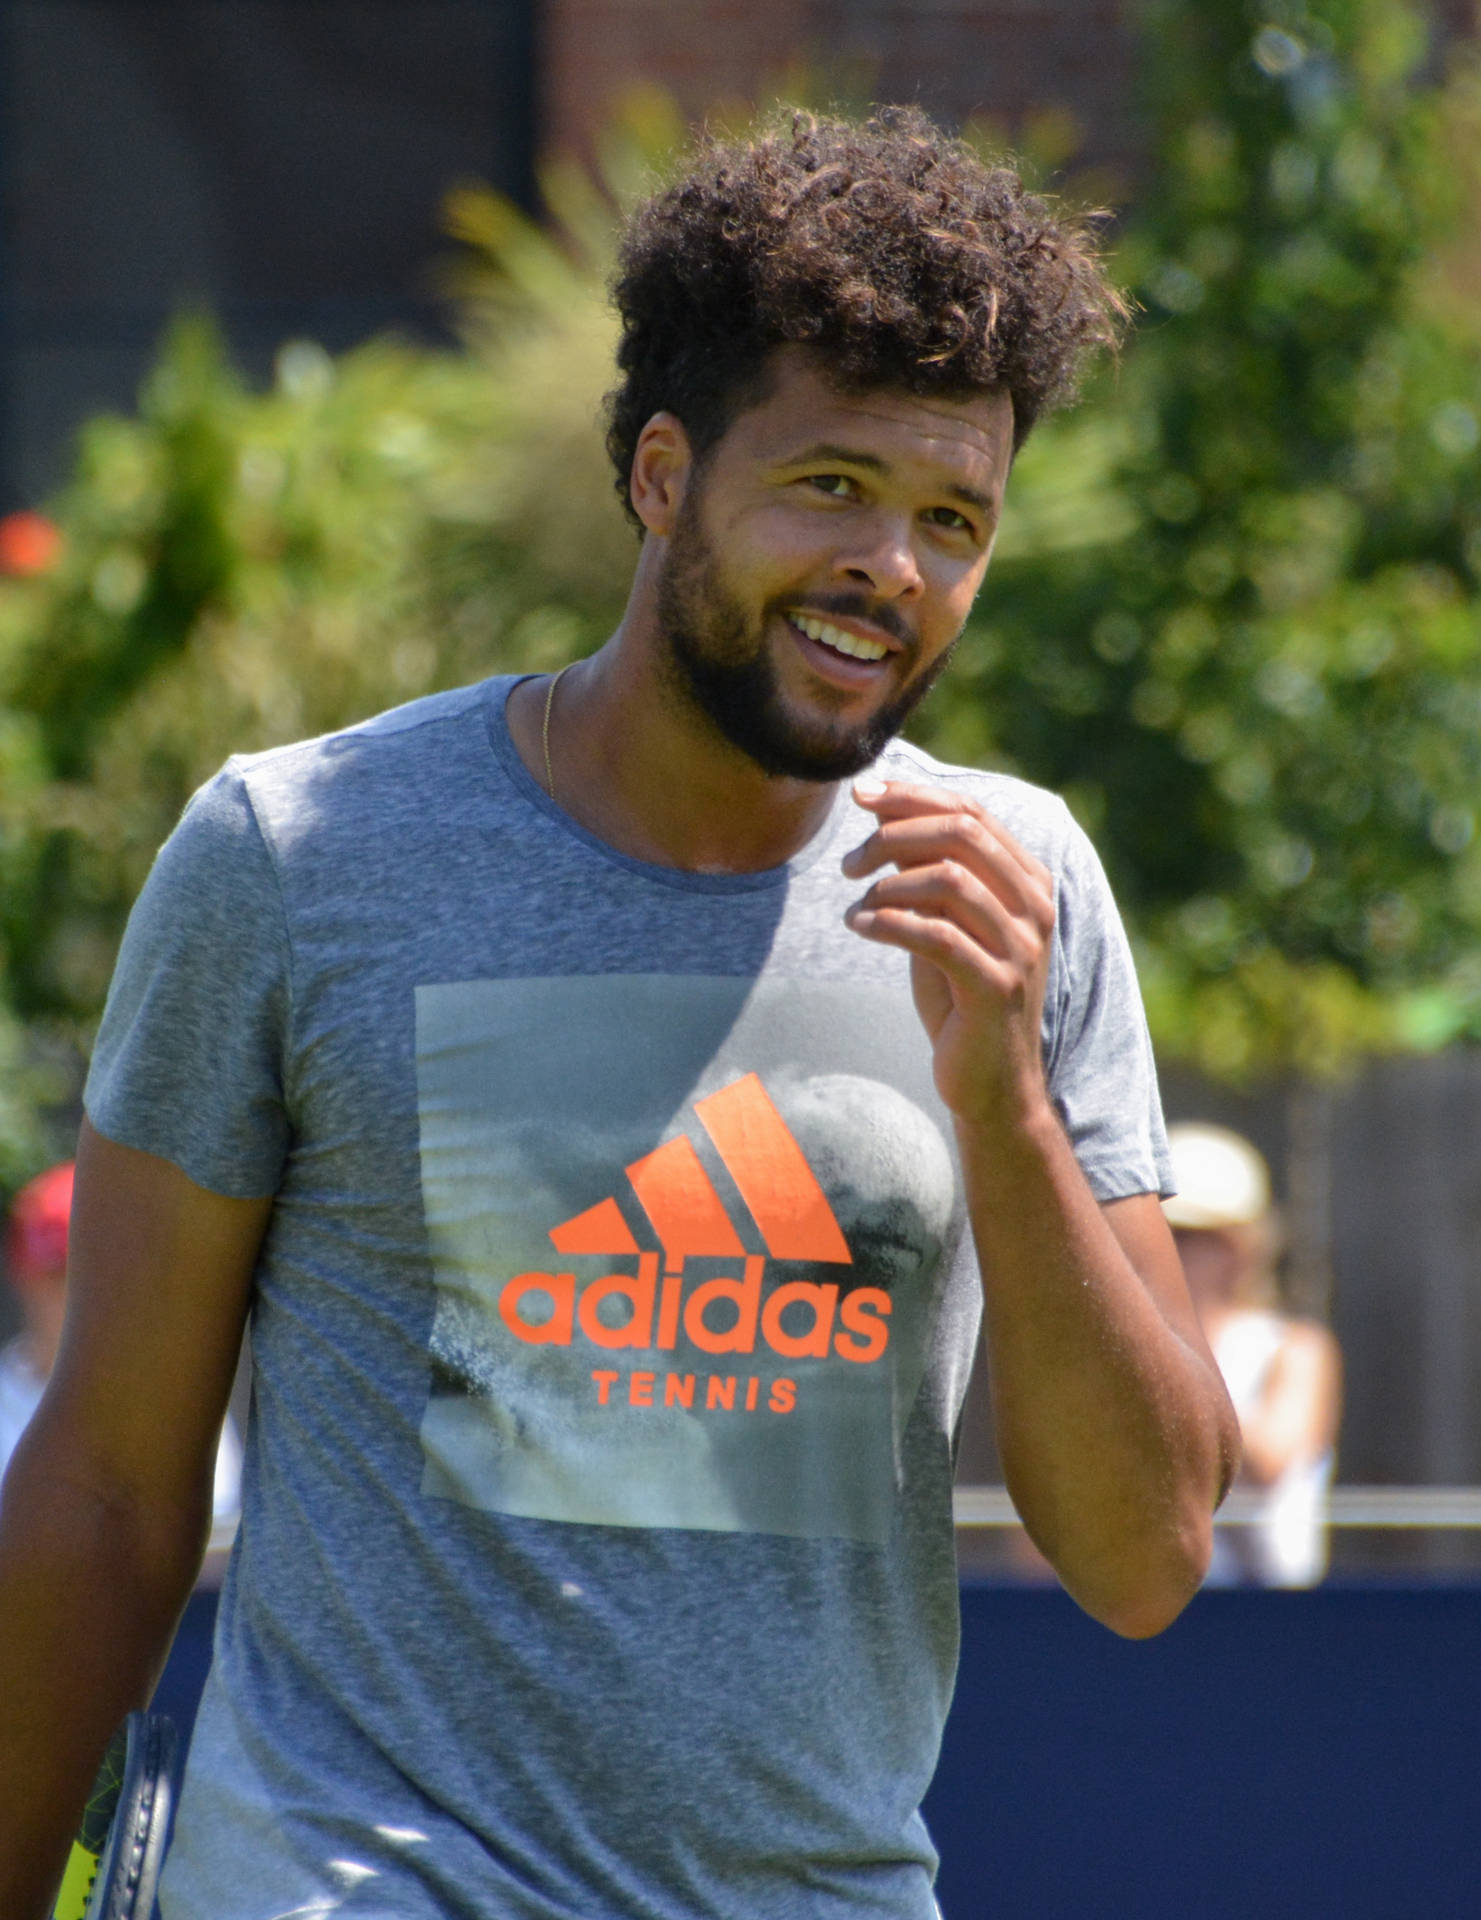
(120, 1846)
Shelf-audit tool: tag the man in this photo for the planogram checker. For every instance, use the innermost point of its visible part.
(618, 1127)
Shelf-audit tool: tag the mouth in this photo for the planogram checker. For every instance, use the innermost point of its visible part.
(840, 641)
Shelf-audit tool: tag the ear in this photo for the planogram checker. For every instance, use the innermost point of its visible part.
(662, 464)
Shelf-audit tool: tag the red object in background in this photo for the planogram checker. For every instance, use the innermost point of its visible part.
(29, 543)
(36, 1232)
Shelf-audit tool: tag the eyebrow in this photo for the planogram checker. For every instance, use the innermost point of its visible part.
(871, 462)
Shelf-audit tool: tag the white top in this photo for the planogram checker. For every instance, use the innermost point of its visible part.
(20, 1392)
(1286, 1545)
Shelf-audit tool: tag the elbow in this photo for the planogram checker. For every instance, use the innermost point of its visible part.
(1174, 1565)
(1158, 1582)
(62, 1501)
(1144, 1616)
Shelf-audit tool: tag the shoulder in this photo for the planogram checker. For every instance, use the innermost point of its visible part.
(264, 809)
(403, 766)
(385, 741)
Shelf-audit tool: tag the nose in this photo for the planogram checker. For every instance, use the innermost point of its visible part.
(882, 558)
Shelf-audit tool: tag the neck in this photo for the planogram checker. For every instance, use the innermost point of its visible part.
(637, 765)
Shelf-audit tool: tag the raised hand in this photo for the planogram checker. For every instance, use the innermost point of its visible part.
(975, 912)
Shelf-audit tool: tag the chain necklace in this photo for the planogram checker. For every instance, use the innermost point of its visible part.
(555, 680)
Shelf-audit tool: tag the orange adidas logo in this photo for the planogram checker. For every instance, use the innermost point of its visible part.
(798, 1320)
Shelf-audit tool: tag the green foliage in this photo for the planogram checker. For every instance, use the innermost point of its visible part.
(1251, 658)
(1233, 614)
(30, 1085)
(241, 569)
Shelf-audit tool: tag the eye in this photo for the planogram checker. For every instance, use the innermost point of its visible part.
(839, 485)
(951, 519)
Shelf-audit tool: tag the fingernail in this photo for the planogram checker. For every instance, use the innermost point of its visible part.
(851, 858)
(866, 787)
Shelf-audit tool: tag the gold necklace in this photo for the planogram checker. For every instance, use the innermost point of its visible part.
(555, 680)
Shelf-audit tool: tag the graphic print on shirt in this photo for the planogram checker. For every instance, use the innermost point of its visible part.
(688, 1238)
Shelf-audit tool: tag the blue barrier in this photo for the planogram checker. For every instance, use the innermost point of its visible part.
(1272, 1755)
(179, 1691)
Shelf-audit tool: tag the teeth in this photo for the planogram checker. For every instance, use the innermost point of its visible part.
(840, 641)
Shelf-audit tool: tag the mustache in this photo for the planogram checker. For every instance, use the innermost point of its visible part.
(858, 606)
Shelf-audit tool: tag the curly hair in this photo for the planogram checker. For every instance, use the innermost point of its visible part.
(895, 251)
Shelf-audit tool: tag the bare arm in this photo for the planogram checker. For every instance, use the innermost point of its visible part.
(107, 1503)
(1112, 1424)
(1116, 1433)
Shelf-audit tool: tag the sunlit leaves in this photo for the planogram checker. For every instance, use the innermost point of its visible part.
(242, 568)
(1233, 614)
(1271, 685)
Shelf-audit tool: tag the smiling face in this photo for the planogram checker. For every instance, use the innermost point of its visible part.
(821, 560)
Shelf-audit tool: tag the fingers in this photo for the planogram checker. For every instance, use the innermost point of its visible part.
(970, 966)
(912, 902)
(928, 828)
(975, 912)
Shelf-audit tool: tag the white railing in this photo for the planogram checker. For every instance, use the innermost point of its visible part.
(1416, 1507)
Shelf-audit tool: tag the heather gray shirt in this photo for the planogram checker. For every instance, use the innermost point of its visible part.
(610, 1336)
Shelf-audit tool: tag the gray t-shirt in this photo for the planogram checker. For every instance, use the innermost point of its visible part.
(610, 1336)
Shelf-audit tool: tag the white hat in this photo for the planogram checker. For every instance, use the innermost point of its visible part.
(1221, 1180)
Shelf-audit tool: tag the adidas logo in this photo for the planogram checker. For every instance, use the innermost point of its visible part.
(800, 1319)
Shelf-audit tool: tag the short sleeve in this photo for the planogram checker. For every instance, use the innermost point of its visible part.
(190, 1057)
(1102, 1075)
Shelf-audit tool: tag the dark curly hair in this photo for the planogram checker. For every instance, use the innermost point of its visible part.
(905, 259)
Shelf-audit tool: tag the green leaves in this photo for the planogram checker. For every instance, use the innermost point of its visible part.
(1258, 671)
(241, 568)
(1233, 614)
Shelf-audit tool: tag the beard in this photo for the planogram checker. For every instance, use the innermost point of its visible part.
(716, 661)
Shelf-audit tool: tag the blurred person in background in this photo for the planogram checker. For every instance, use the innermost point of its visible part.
(36, 1268)
(1284, 1373)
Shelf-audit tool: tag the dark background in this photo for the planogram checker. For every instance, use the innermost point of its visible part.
(282, 164)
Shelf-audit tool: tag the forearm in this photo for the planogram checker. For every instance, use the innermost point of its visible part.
(1115, 1431)
(91, 1588)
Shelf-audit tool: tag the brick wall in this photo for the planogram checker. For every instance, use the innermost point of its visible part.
(1006, 60)
(959, 58)
(698, 50)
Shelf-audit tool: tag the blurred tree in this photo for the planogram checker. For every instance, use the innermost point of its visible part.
(240, 569)
(1233, 612)
(1237, 617)
(237, 569)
